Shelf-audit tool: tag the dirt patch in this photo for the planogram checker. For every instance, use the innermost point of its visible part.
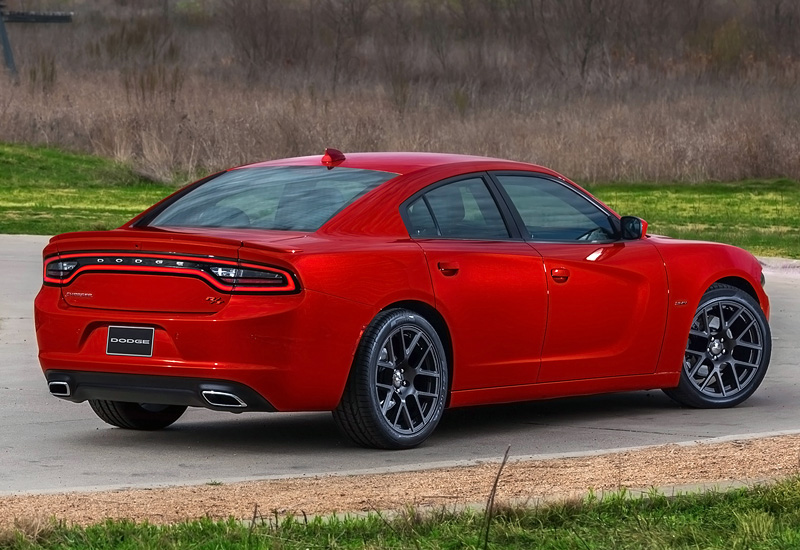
(663, 466)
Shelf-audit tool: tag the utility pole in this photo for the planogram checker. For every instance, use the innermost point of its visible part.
(24, 17)
(8, 55)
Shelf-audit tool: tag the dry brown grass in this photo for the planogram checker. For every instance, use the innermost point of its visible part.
(201, 91)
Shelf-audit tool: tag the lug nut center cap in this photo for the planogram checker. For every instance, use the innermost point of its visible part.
(716, 347)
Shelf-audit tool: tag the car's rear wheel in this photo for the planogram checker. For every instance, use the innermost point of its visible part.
(136, 416)
(398, 385)
(727, 351)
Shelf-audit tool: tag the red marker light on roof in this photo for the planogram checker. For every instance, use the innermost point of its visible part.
(332, 157)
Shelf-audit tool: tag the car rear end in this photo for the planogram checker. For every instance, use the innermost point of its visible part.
(179, 309)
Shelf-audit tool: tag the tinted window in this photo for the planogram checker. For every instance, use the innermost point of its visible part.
(421, 219)
(298, 198)
(551, 211)
(463, 210)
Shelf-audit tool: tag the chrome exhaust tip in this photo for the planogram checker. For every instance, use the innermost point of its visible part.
(223, 399)
(59, 388)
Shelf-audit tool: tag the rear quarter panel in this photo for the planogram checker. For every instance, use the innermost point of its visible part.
(370, 274)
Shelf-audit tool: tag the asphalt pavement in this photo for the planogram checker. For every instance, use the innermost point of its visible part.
(50, 445)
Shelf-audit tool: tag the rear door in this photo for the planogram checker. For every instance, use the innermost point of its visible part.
(607, 297)
(489, 284)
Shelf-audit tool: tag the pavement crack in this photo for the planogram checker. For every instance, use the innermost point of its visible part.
(626, 430)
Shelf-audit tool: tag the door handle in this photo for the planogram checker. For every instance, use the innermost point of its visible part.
(559, 274)
(448, 269)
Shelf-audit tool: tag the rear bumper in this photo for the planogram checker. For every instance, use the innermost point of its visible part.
(294, 351)
(219, 395)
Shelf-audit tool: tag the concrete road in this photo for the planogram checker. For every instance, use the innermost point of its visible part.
(47, 444)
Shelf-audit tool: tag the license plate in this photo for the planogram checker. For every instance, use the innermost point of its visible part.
(131, 341)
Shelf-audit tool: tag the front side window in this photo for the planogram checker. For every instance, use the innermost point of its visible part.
(295, 198)
(463, 209)
(551, 211)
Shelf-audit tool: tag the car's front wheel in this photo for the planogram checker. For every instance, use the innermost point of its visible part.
(727, 351)
(398, 385)
(136, 416)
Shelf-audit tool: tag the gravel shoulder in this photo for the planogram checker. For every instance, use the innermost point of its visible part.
(665, 466)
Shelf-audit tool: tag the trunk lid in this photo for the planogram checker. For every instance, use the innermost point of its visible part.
(145, 270)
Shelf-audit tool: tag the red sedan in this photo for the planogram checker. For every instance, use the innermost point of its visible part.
(386, 287)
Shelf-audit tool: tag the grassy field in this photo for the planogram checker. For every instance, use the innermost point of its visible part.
(45, 191)
(765, 517)
(760, 216)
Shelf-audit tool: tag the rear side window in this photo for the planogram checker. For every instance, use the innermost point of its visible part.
(292, 198)
(463, 209)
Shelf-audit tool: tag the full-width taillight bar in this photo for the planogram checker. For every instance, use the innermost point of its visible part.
(223, 274)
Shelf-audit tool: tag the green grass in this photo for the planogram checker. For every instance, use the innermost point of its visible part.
(766, 517)
(46, 191)
(761, 216)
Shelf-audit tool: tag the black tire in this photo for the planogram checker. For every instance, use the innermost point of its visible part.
(398, 385)
(136, 416)
(727, 350)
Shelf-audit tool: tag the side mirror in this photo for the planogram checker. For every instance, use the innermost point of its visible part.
(633, 228)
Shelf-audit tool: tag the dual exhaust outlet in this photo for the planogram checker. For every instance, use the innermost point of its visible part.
(215, 398)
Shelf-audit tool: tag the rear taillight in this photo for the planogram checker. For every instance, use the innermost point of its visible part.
(59, 270)
(248, 278)
(222, 274)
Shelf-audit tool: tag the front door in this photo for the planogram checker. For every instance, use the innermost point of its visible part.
(608, 297)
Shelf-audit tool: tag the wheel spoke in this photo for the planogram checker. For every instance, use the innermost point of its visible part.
(721, 317)
(390, 348)
(421, 361)
(746, 364)
(412, 345)
(388, 401)
(745, 331)
(732, 320)
(750, 345)
(427, 394)
(697, 353)
(707, 380)
(695, 369)
(721, 384)
(407, 414)
(399, 414)
(418, 406)
(736, 377)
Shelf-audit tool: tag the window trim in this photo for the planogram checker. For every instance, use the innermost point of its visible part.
(506, 215)
(519, 222)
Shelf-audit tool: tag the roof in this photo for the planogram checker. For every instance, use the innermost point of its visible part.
(398, 163)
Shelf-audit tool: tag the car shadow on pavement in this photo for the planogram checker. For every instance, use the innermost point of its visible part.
(312, 433)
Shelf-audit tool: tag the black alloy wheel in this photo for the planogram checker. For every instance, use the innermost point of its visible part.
(398, 385)
(727, 351)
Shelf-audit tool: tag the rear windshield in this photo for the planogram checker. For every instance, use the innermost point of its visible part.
(294, 198)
